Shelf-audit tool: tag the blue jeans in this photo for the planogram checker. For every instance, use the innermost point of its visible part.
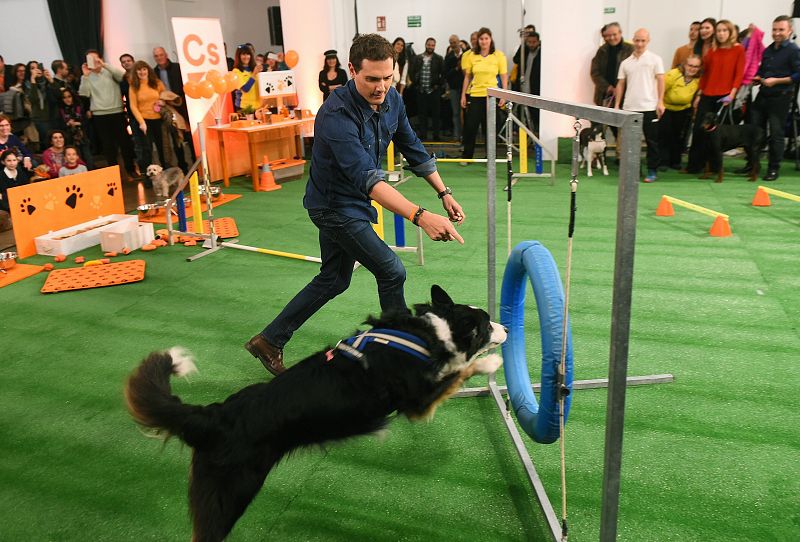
(342, 242)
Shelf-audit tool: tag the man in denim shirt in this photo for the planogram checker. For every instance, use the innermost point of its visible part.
(352, 132)
(777, 75)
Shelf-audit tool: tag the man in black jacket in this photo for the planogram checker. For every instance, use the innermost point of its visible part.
(778, 73)
(170, 74)
(426, 75)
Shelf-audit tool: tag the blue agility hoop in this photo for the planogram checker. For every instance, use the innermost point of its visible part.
(540, 420)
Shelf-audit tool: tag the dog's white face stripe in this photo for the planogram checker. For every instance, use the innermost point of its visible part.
(182, 361)
(443, 332)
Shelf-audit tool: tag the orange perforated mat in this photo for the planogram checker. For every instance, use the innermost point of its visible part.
(95, 276)
(161, 216)
(17, 273)
(223, 227)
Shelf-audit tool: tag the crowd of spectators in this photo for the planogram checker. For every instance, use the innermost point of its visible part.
(722, 70)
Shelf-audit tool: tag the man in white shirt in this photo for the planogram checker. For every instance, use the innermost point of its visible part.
(642, 76)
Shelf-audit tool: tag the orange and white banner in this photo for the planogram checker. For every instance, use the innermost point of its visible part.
(200, 49)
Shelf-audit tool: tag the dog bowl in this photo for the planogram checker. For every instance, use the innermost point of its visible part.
(149, 209)
(7, 260)
(215, 191)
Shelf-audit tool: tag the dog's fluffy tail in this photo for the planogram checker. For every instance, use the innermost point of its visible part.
(151, 403)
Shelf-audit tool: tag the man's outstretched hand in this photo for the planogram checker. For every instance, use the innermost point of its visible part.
(439, 228)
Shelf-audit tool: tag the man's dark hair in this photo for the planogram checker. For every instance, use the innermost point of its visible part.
(430, 39)
(56, 65)
(123, 55)
(370, 47)
(781, 18)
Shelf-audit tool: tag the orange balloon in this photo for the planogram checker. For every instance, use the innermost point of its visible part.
(191, 89)
(213, 75)
(206, 88)
(291, 58)
(232, 81)
(220, 85)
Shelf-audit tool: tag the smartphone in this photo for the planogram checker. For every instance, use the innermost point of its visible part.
(90, 61)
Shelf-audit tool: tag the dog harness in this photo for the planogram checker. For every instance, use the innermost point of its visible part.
(353, 347)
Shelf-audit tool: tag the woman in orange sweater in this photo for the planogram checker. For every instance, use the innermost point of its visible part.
(723, 69)
(145, 104)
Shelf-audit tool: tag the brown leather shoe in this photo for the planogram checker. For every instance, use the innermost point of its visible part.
(270, 356)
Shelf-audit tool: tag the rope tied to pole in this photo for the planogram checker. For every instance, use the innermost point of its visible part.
(563, 390)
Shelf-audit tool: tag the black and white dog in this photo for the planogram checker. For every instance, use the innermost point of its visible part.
(593, 148)
(407, 364)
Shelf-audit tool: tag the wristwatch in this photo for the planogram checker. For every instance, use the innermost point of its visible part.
(445, 192)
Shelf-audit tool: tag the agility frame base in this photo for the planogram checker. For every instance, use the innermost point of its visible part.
(630, 125)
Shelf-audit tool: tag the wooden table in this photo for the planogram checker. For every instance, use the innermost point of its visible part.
(282, 139)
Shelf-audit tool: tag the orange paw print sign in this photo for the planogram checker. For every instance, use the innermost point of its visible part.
(54, 204)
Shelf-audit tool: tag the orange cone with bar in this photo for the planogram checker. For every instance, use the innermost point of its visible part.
(720, 228)
(267, 180)
(665, 207)
(761, 199)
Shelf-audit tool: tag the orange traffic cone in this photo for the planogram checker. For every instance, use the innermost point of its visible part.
(267, 180)
(761, 199)
(665, 207)
(721, 227)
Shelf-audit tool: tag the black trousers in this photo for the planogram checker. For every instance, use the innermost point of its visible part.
(772, 111)
(474, 118)
(672, 136)
(698, 152)
(113, 136)
(650, 129)
(154, 135)
(428, 107)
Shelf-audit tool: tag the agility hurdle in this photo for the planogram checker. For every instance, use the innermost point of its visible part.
(630, 125)
(721, 226)
(211, 239)
(761, 199)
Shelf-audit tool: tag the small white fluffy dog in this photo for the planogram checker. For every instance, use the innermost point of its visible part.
(164, 180)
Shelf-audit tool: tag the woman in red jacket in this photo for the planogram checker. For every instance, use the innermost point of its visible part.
(723, 69)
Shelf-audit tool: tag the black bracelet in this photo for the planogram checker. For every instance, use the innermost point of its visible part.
(418, 214)
(445, 192)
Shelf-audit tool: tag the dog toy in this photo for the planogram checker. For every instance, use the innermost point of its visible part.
(126, 250)
(148, 247)
(60, 258)
(47, 267)
(80, 259)
(111, 254)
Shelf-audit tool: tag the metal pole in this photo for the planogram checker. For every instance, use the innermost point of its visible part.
(491, 203)
(627, 196)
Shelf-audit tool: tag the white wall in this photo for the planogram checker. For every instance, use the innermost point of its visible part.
(668, 22)
(27, 32)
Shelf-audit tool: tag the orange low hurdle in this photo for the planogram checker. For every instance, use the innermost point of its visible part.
(761, 199)
(721, 226)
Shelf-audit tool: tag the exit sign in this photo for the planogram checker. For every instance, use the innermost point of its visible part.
(415, 21)
(609, 10)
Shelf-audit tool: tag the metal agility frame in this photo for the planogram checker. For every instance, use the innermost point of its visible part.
(630, 125)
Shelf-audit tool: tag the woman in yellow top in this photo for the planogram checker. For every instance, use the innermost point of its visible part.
(481, 70)
(145, 104)
(680, 86)
(247, 69)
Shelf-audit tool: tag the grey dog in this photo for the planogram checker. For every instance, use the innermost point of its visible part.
(164, 180)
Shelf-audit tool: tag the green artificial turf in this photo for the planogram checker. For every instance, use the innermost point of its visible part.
(713, 456)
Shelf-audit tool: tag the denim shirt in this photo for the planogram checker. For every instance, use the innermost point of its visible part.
(781, 62)
(350, 142)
